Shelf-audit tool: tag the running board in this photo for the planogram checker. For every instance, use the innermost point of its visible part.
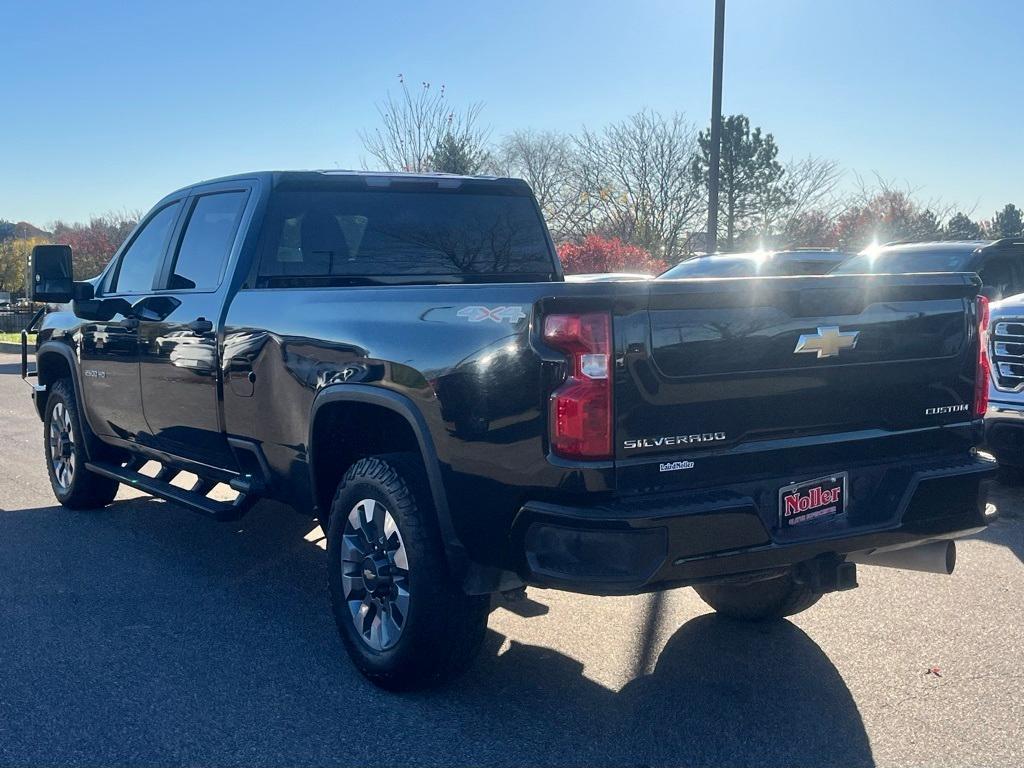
(194, 498)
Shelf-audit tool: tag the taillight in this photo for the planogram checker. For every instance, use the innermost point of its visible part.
(580, 410)
(982, 375)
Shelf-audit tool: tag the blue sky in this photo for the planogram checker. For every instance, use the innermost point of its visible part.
(112, 105)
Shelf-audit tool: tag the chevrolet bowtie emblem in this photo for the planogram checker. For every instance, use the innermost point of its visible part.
(829, 341)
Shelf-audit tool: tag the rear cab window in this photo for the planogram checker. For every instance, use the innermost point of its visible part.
(207, 239)
(324, 234)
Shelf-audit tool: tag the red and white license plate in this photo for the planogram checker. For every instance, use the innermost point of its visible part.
(812, 500)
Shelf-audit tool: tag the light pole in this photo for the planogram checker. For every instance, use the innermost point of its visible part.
(716, 127)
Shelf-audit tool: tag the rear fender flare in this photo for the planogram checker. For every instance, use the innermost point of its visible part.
(362, 393)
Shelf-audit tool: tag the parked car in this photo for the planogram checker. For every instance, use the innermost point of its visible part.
(605, 277)
(1004, 422)
(400, 356)
(999, 263)
(798, 261)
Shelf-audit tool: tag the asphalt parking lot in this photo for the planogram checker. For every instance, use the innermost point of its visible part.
(143, 633)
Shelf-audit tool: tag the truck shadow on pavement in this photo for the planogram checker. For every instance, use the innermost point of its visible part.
(143, 633)
(721, 693)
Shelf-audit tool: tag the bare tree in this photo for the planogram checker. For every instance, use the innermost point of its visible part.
(417, 125)
(810, 205)
(638, 173)
(547, 162)
(884, 210)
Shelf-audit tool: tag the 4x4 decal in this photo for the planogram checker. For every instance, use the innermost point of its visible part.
(477, 314)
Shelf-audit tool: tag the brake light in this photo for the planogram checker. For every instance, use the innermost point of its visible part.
(981, 378)
(580, 410)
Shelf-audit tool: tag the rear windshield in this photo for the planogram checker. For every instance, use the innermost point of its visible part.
(903, 262)
(320, 232)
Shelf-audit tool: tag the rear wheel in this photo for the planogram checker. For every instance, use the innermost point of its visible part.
(63, 441)
(404, 621)
(759, 600)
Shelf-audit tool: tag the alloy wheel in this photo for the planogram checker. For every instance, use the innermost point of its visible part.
(375, 574)
(62, 446)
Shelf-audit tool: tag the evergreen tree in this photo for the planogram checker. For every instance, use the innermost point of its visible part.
(458, 154)
(1008, 222)
(751, 179)
(962, 227)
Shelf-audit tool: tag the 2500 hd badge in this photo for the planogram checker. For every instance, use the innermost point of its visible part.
(662, 442)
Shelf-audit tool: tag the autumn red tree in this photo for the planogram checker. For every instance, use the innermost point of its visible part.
(94, 243)
(601, 254)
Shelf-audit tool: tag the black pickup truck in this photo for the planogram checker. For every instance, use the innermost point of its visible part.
(400, 356)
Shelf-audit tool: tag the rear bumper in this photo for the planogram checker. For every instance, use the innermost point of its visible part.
(1004, 431)
(660, 541)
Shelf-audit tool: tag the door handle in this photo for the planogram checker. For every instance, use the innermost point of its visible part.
(200, 326)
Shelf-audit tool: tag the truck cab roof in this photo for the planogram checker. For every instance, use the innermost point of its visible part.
(371, 179)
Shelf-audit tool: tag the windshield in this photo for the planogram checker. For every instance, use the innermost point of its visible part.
(902, 262)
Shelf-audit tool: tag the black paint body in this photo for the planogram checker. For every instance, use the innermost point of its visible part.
(690, 357)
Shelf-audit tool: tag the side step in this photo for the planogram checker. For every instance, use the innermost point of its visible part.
(194, 498)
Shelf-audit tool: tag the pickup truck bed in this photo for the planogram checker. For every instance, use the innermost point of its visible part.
(752, 437)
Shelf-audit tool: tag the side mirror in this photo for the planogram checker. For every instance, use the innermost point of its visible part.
(101, 310)
(155, 308)
(83, 291)
(50, 278)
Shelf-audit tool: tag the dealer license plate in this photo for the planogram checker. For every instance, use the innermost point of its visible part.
(812, 500)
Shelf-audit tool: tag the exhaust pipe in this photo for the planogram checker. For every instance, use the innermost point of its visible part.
(936, 557)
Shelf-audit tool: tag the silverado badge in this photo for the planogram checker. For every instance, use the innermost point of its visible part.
(829, 341)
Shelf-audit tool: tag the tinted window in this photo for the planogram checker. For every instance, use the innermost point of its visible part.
(1000, 275)
(323, 232)
(207, 241)
(806, 264)
(139, 263)
(713, 266)
(903, 262)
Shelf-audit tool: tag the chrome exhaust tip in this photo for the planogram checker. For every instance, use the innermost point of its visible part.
(934, 557)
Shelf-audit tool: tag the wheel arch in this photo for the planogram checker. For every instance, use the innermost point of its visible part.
(55, 361)
(409, 432)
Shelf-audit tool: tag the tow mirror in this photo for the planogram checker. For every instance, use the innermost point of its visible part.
(50, 278)
(155, 308)
(102, 310)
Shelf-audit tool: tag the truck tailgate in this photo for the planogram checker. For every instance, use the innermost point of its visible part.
(739, 365)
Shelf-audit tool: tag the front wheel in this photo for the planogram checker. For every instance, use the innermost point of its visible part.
(759, 600)
(404, 621)
(64, 444)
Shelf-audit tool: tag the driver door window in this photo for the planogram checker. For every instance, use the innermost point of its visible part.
(142, 259)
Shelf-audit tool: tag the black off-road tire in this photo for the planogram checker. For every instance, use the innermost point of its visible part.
(78, 488)
(443, 627)
(759, 600)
